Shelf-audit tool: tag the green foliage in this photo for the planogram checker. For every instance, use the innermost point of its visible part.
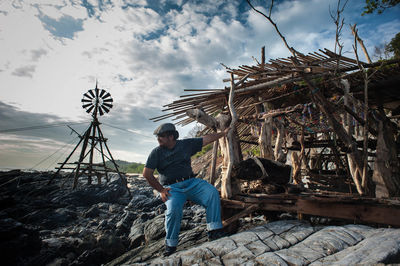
(254, 151)
(394, 45)
(126, 167)
(203, 151)
(378, 5)
(135, 168)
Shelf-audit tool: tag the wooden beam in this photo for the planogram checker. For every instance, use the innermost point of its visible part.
(356, 212)
(356, 209)
(241, 214)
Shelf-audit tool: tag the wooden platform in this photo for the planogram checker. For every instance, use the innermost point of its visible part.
(332, 205)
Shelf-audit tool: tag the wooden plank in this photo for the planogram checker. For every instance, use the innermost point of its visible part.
(340, 206)
(355, 212)
(241, 214)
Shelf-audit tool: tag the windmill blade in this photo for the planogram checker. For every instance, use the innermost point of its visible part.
(101, 112)
(107, 95)
(90, 109)
(102, 93)
(91, 93)
(87, 105)
(87, 95)
(97, 92)
(108, 105)
(86, 100)
(110, 100)
(105, 109)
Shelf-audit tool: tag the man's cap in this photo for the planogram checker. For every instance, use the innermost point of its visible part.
(167, 127)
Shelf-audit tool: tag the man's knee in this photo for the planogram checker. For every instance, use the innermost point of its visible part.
(173, 212)
(213, 196)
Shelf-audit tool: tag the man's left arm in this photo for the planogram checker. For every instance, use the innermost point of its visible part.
(213, 137)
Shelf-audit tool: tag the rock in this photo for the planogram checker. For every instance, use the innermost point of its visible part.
(275, 244)
(136, 235)
(111, 244)
(154, 229)
(125, 223)
(92, 212)
(18, 241)
(98, 224)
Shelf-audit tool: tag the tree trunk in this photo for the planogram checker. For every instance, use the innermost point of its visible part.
(386, 168)
(265, 139)
(279, 155)
(348, 125)
(213, 163)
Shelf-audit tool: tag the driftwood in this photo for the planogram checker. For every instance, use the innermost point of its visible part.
(386, 168)
(265, 139)
(279, 155)
(213, 163)
(226, 188)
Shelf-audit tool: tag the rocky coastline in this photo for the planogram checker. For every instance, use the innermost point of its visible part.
(43, 224)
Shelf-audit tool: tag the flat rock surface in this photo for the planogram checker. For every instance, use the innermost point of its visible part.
(293, 242)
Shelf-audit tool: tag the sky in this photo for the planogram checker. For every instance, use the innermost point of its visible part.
(145, 53)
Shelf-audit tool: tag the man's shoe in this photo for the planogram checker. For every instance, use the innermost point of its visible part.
(169, 250)
(215, 234)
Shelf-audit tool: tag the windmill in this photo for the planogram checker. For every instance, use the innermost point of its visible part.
(96, 102)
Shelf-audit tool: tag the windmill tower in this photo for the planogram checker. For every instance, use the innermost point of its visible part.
(95, 102)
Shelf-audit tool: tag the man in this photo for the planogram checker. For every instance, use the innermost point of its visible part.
(177, 183)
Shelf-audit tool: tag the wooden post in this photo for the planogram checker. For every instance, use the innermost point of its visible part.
(279, 155)
(82, 155)
(348, 125)
(354, 31)
(214, 163)
(265, 139)
(226, 190)
(386, 174)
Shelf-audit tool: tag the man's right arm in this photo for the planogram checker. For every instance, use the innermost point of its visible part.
(148, 173)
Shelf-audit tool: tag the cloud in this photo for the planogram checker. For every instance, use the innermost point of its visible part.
(37, 54)
(145, 53)
(64, 27)
(36, 136)
(25, 71)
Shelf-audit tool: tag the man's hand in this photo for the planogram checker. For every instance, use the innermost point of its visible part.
(213, 137)
(164, 193)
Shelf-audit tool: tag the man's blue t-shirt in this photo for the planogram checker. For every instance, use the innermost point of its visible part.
(175, 163)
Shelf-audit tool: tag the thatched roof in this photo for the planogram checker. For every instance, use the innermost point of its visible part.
(280, 84)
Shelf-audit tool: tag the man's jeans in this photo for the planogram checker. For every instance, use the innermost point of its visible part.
(198, 191)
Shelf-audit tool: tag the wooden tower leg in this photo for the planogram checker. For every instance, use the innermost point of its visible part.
(66, 160)
(82, 155)
(112, 160)
(102, 156)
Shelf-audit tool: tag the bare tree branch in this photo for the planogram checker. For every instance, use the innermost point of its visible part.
(291, 49)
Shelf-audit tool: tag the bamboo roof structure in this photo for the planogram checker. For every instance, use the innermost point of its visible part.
(279, 83)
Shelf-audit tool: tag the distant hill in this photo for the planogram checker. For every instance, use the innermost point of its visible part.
(127, 167)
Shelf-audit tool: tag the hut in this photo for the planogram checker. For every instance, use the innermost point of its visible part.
(312, 134)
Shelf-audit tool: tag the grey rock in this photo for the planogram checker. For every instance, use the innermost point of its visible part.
(270, 258)
(381, 247)
(136, 235)
(221, 246)
(92, 212)
(154, 229)
(237, 256)
(257, 247)
(244, 238)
